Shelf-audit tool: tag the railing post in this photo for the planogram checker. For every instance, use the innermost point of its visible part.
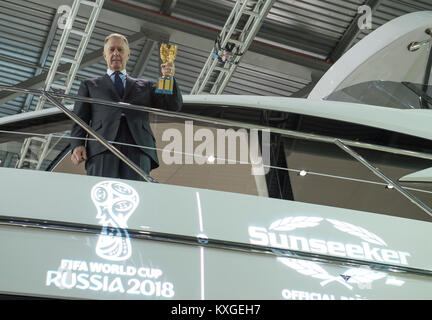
(98, 137)
(389, 181)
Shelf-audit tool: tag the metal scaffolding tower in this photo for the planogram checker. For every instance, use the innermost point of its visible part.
(35, 149)
(232, 42)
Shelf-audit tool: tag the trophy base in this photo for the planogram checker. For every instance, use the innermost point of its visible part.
(165, 85)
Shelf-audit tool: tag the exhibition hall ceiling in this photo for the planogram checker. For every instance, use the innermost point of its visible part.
(298, 41)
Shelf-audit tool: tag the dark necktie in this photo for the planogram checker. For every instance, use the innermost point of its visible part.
(118, 84)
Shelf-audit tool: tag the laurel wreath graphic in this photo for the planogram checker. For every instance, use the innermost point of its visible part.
(351, 276)
(291, 223)
(363, 275)
(359, 276)
(357, 231)
(314, 270)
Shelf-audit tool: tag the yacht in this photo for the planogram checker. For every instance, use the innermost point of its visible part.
(323, 198)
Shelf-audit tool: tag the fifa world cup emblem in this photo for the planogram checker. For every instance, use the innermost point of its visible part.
(115, 202)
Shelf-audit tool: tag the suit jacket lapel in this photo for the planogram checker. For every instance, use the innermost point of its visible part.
(110, 87)
(130, 85)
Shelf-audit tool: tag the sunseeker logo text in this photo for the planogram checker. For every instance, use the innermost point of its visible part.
(370, 247)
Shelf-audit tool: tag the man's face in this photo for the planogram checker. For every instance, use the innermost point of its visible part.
(116, 54)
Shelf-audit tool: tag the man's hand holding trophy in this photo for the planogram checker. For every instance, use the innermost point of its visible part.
(166, 82)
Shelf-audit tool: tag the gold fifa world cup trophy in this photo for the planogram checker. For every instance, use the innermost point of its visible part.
(168, 54)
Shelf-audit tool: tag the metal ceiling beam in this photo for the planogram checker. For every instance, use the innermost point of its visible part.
(233, 41)
(88, 60)
(147, 50)
(352, 32)
(167, 6)
(306, 90)
(189, 27)
(43, 57)
(143, 58)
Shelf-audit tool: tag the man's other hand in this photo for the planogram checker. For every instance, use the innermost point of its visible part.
(79, 155)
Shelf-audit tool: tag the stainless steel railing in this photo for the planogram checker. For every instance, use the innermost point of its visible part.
(342, 143)
(239, 124)
(49, 96)
(381, 175)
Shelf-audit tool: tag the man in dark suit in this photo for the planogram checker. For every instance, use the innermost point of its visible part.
(117, 124)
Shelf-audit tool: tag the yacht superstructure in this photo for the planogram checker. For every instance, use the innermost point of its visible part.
(258, 197)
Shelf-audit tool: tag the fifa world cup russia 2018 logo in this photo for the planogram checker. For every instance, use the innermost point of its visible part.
(115, 203)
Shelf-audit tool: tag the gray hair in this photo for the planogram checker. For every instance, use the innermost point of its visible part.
(116, 35)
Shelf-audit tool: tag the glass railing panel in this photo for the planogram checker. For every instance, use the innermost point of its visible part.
(385, 94)
(191, 153)
(31, 150)
(240, 157)
(204, 155)
(324, 174)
